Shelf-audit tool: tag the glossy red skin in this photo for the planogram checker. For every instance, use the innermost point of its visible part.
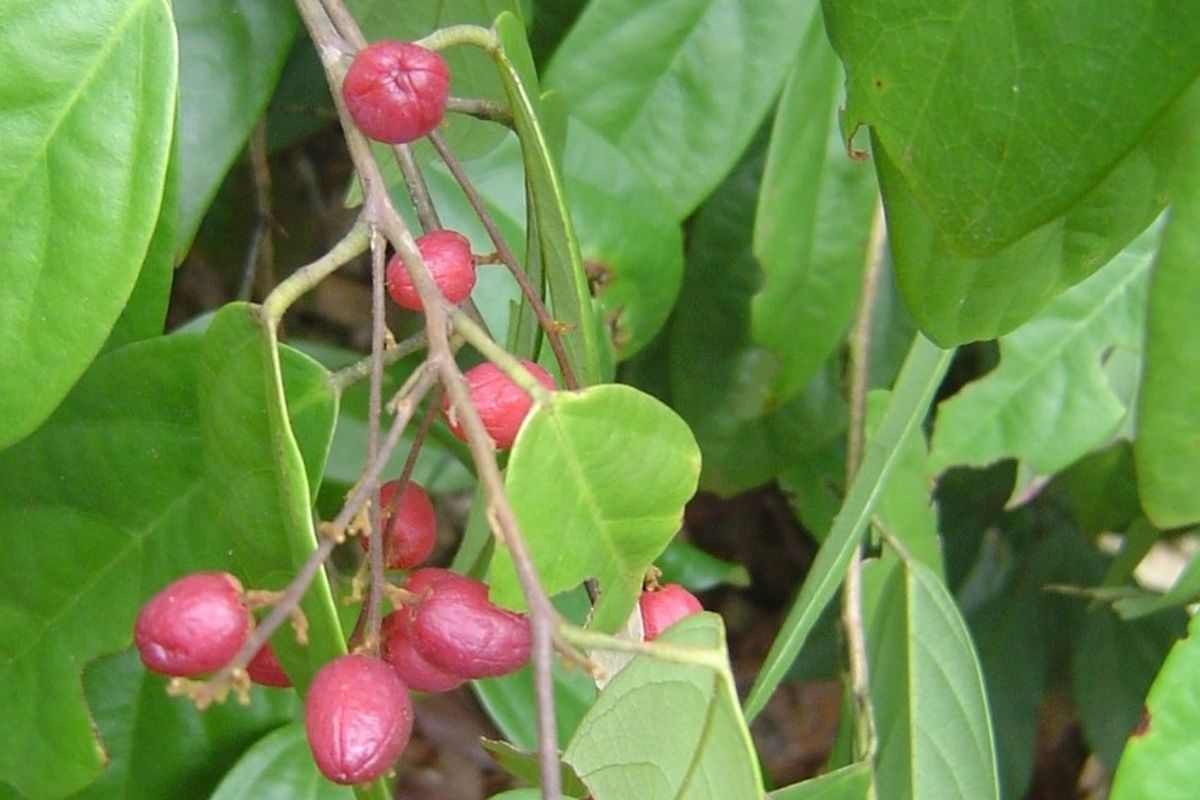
(411, 525)
(264, 669)
(396, 92)
(398, 651)
(447, 256)
(421, 580)
(502, 405)
(663, 608)
(194, 625)
(456, 632)
(358, 717)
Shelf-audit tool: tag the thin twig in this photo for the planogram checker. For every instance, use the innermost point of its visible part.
(374, 407)
(418, 189)
(361, 369)
(305, 279)
(481, 109)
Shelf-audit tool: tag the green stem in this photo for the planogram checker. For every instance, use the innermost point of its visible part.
(483, 38)
(511, 365)
(305, 279)
(585, 639)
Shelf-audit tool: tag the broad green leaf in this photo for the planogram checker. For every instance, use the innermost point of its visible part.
(1161, 760)
(524, 766)
(279, 767)
(668, 731)
(88, 111)
(698, 570)
(258, 488)
(813, 222)
(624, 465)
(957, 298)
(111, 497)
(720, 380)
(631, 243)
(1167, 447)
(1102, 489)
(1113, 664)
(957, 94)
(919, 379)
(851, 782)
(1049, 402)
(160, 746)
(562, 264)
(231, 53)
(679, 85)
(931, 712)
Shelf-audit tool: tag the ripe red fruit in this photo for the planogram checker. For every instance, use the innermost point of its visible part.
(421, 581)
(447, 256)
(662, 608)
(413, 669)
(358, 717)
(456, 631)
(409, 524)
(502, 405)
(264, 669)
(194, 625)
(396, 91)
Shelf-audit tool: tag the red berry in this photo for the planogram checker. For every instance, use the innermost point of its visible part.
(195, 625)
(398, 651)
(663, 607)
(420, 581)
(409, 523)
(264, 669)
(456, 631)
(447, 256)
(358, 717)
(502, 405)
(396, 91)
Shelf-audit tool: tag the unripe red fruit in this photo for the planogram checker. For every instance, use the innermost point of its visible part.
(502, 405)
(396, 91)
(409, 524)
(456, 631)
(413, 669)
(194, 625)
(663, 607)
(265, 670)
(447, 256)
(358, 717)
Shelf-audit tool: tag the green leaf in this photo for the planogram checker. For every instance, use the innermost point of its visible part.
(679, 85)
(522, 794)
(231, 53)
(1102, 489)
(525, 766)
(957, 94)
(851, 782)
(620, 750)
(919, 379)
(279, 767)
(511, 703)
(931, 712)
(1167, 447)
(160, 746)
(1162, 757)
(624, 465)
(698, 570)
(813, 222)
(1049, 401)
(88, 111)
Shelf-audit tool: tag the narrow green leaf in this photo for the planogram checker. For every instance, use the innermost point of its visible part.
(680, 85)
(524, 766)
(624, 465)
(511, 703)
(919, 379)
(698, 570)
(1162, 757)
(957, 94)
(1167, 447)
(89, 106)
(279, 767)
(620, 750)
(231, 53)
(931, 712)
(813, 222)
(852, 782)
(1049, 401)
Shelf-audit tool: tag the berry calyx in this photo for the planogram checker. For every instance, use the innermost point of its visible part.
(447, 256)
(409, 524)
(662, 608)
(265, 670)
(501, 403)
(413, 669)
(358, 717)
(194, 625)
(396, 92)
(460, 633)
